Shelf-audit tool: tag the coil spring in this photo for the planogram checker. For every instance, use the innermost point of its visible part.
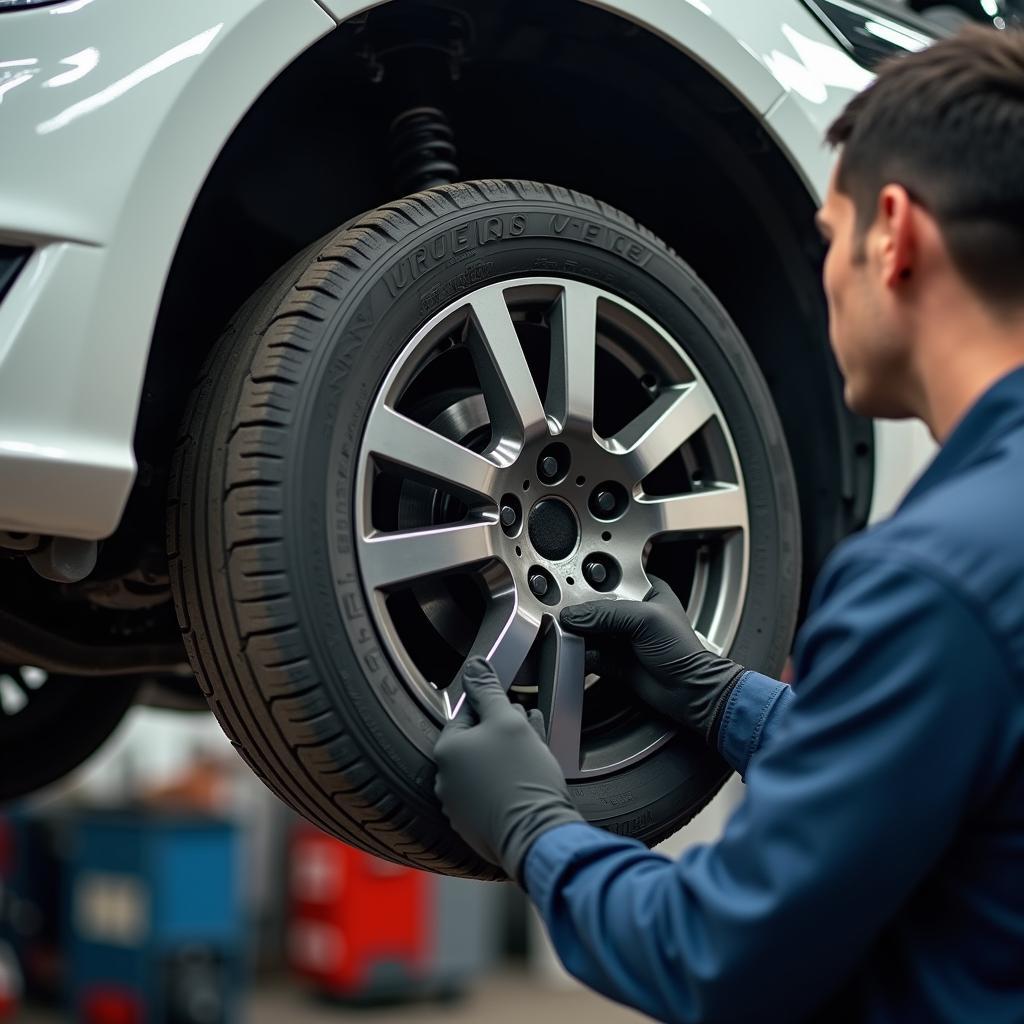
(422, 150)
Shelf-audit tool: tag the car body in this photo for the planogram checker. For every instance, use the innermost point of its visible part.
(113, 115)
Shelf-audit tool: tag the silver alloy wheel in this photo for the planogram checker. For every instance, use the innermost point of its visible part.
(484, 453)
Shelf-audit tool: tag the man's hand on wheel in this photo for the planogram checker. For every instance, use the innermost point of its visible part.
(497, 781)
(667, 665)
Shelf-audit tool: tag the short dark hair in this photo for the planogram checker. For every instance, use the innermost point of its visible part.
(947, 123)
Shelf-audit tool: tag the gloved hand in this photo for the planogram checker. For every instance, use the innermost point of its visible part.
(497, 781)
(667, 665)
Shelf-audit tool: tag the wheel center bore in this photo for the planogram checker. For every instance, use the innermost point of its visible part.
(554, 529)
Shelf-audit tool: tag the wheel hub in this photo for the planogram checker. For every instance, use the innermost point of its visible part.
(554, 529)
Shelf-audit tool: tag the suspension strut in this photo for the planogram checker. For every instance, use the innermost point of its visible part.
(416, 59)
(422, 150)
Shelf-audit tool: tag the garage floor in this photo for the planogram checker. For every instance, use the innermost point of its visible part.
(504, 999)
(501, 999)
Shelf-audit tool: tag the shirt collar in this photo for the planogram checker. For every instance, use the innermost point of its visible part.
(999, 410)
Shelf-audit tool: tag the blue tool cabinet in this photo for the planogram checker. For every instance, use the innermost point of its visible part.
(155, 930)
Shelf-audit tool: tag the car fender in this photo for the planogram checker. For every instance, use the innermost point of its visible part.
(112, 112)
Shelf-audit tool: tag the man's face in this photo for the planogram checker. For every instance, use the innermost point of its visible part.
(864, 325)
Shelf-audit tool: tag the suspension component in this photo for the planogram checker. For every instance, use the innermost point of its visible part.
(422, 150)
(415, 54)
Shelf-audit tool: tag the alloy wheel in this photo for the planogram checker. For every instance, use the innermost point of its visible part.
(538, 443)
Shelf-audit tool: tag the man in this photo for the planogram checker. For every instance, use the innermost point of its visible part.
(875, 870)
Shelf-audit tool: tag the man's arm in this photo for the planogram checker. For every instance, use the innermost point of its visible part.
(751, 717)
(888, 738)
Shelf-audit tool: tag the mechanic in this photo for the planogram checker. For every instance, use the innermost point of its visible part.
(874, 869)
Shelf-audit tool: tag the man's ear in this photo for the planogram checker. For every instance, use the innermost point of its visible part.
(895, 221)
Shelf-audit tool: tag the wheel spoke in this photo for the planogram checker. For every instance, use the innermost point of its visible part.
(709, 644)
(662, 428)
(513, 401)
(570, 398)
(425, 454)
(392, 558)
(505, 639)
(719, 508)
(560, 698)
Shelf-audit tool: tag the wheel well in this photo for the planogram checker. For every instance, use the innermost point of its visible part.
(550, 90)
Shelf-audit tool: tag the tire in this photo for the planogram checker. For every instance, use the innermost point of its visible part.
(262, 534)
(62, 722)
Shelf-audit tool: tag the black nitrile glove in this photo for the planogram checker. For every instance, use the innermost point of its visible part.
(497, 781)
(670, 669)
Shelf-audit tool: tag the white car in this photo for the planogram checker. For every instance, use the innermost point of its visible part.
(267, 423)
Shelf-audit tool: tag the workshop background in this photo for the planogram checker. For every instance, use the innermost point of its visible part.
(164, 883)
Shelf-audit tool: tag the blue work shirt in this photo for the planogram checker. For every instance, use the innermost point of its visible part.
(875, 869)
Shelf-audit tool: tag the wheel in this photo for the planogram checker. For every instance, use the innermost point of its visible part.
(422, 438)
(50, 724)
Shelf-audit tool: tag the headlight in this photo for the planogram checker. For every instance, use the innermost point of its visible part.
(868, 35)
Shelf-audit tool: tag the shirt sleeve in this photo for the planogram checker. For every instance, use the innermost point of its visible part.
(750, 718)
(889, 735)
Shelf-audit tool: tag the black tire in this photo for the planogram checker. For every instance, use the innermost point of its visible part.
(63, 723)
(303, 691)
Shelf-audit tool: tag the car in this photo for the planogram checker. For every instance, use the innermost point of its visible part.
(343, 340)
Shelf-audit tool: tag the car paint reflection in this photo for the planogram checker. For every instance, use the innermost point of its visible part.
(81, 64)
(183, 51)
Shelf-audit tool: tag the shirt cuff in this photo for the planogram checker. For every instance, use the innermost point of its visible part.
(554, 849)
(749, 716)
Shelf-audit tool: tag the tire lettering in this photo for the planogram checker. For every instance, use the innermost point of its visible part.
(436, 297)
(491, 229)
(441, 248)
(350, 607)
(603, 237)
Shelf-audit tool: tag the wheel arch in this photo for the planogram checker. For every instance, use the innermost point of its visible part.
(766, 145)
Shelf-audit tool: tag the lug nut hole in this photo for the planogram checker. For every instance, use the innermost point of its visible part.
(542, 585)
(608, 500)
(602, 572)
(553, 463)
(510, 515)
